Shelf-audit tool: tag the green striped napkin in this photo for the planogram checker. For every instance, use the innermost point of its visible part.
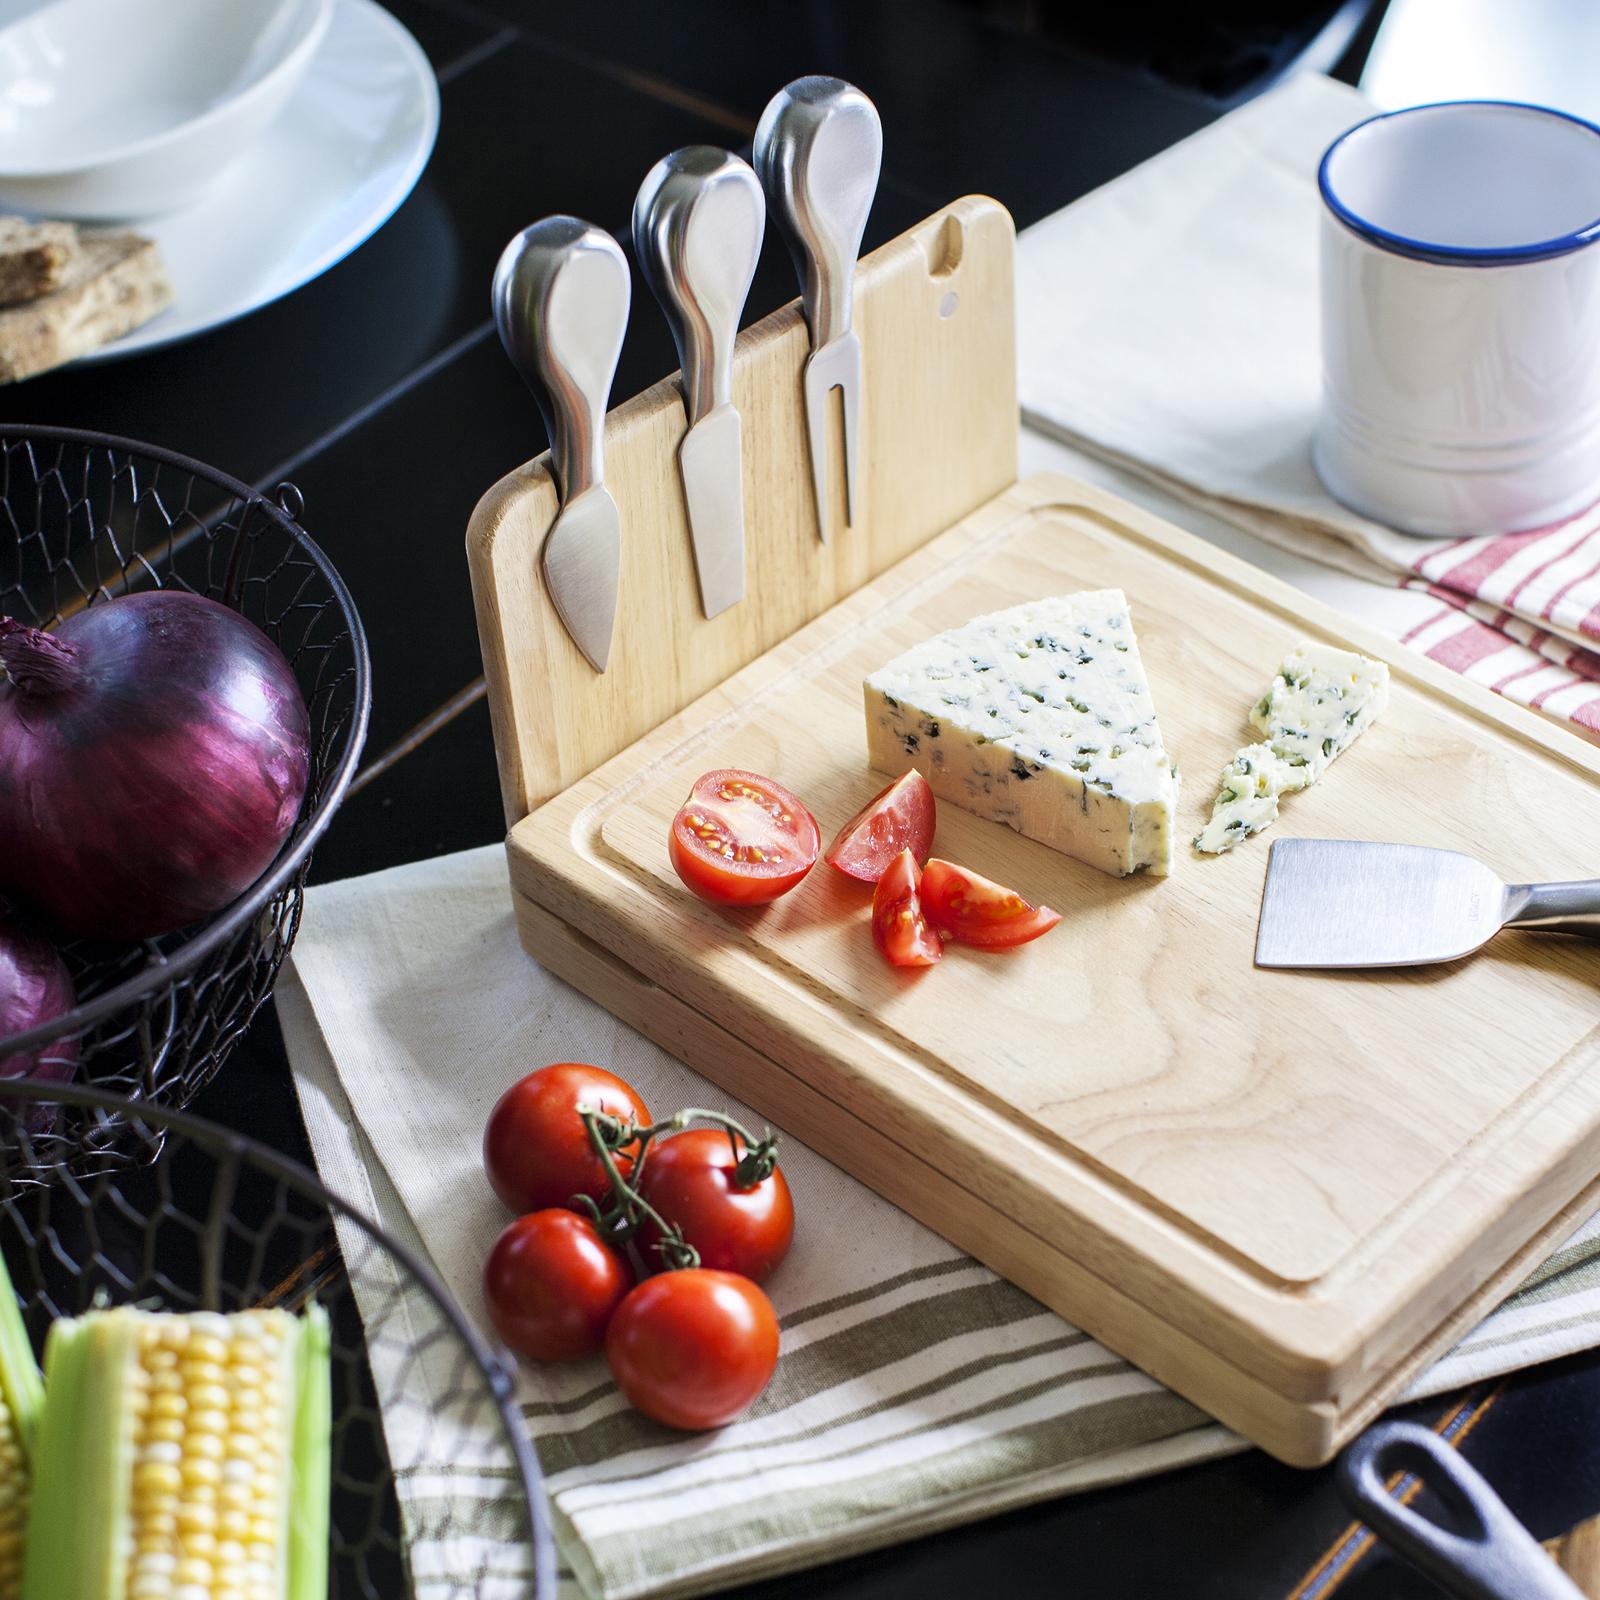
(916, 1390)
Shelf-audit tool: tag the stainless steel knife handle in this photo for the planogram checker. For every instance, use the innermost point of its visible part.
(1555, 907)
(698, 222)
(818, 148)
(561, 293)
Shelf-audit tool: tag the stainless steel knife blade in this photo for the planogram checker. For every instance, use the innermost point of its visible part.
(819, 148)
(561, 293)
(1342, 903)
(710, 461)
(698, 222)
(582, 562)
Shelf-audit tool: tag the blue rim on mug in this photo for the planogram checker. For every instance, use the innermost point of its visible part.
(1445, 254)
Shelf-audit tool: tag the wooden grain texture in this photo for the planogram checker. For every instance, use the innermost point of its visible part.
(1577, 1553)
(934, 311)
(1279, 1192)
(1304, 1433)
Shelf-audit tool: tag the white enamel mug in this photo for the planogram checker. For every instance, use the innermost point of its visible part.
(1461, 318)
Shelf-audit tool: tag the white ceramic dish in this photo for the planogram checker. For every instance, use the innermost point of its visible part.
(1461, 318)
(350, 146)
(110, 109)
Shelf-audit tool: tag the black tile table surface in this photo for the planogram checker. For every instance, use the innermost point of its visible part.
(381, 391)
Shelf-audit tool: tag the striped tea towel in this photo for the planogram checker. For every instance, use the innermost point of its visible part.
(916, 1389)
(1169, 322)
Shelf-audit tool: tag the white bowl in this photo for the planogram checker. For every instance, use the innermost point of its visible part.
(117, 109)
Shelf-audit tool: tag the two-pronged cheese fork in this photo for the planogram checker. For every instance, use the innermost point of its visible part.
(818, 149)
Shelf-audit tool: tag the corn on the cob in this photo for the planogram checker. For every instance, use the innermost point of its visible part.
(21, 1395)
(182, 1458)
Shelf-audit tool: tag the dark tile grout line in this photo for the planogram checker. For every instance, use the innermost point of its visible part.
(413, 737)
(479, 53)
(381, 401)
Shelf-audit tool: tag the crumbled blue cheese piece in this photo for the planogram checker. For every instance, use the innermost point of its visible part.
(1247, 800)
(1319, 704)
(1040, 717)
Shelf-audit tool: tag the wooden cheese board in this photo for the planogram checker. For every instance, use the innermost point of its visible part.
(1280, 1193)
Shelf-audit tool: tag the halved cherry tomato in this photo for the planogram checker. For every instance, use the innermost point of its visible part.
(741, 839)
(898, 818)
(899, 928)
(552, 1283)
(978, 911)
(693, 1348)
(689, 1179)
(536, 1149)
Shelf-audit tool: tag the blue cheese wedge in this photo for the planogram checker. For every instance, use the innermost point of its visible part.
(1039, 717)
(1319, 704)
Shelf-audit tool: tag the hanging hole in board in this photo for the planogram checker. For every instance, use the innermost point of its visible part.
(946, 246)
(948, 303)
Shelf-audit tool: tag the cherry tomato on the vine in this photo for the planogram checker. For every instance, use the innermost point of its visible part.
(978, 911)
(741, 839)
(552, 1284)
(693, 1348)
(536, 1149)
(899, 929)
(898, 818)
(689, 1179)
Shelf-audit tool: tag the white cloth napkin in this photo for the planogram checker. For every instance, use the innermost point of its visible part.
(916, 1389)
(1169, 323)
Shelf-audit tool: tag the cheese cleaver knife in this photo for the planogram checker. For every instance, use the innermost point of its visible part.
(561, 293)
(697, 227)
(1346, 903)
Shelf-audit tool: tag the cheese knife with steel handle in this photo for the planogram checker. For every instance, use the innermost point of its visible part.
(1353, 903)
(818, 148)
(561, 293)
(697, 227)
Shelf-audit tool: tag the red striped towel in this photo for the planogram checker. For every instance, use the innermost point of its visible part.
(1510, 608)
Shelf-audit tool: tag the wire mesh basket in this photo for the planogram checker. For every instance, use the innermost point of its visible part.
(85, 517)
(426, 1435)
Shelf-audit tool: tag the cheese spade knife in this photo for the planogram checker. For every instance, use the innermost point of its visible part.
(697, 227)
(1347, 903)
(561, 293)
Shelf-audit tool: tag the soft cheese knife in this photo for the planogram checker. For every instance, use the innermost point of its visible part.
(697, 227)
(561, 293)
(1346, 903)
(818, 148)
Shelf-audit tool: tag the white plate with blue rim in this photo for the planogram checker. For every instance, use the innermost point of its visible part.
(347, 148)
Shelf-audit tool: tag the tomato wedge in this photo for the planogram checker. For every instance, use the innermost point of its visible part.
(898, 818)
(741, 839)
(978, 911)
(899, 928)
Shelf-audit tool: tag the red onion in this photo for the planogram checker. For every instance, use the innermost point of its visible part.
(35, 988)
(153, 756)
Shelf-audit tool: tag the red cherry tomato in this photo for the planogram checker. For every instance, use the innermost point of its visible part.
(978, 911)
(899, 928)
(741, 839)
(693, 1348)
(898, 818)
(536, 1150)
(552, 1283)
(689, 1179)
